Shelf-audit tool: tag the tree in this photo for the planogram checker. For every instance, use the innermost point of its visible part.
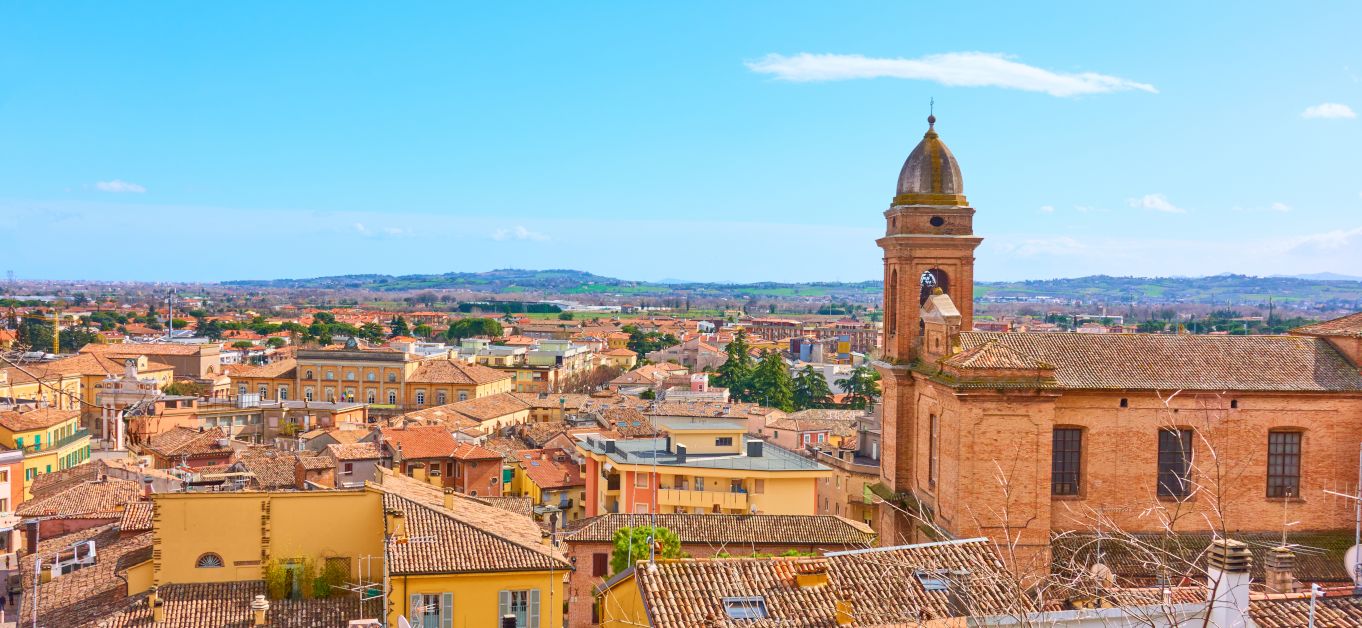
(862, 387)
(371, 331)
(635, 544)
(736, 371)
(470, 327)
(811, 389)
(771, 384)
(276, 342)
(565, 316)
(185, 388)
(72, 339)
(647, 394)
(645, 342)
(35, 333)
(243, 344)
(398, 327)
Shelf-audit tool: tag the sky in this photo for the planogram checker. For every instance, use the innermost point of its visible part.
(710, 141)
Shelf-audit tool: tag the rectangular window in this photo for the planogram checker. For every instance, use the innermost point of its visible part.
(1066, 461)
(931, 451)
(348, 468)
(432, 610)
(1175, 463)
(1283, 464)
(600, 565)
(524, 605)
(723, 441)
(640, 480)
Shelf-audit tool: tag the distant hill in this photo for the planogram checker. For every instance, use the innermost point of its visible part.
(1323, 290)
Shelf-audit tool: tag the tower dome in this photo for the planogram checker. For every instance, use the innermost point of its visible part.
(930, 168)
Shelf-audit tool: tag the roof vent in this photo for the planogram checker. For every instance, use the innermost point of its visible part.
(680, 453)
(754, 448)
(609, 445)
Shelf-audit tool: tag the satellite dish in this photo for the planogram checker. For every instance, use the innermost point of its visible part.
(1350, 560)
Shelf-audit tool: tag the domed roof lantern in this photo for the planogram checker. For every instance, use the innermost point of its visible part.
(930, 175)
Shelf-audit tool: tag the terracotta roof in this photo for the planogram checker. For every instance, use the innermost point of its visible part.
(1337, 609)
(469, 451)
(272, 468)
(189, 442)
(517, 504)
(1183, 362)
(91, 499)
(316, 462)
(489, 407)
(471, 536)
(736, 530)
(1350, 325)
(136, 517)
(354, 451)
(144, 348)
(228, 605)
(86, 595)
(550, 468)
(35, 419)
(447, 371)
(92, 364)
(277, 369)
(620, 352)
(55, 481)
(553, 401)
(507, 446)
(883, 585)
(540, 432)
(418, 442)
(439, 415)
(994, 355)
(1128, 557)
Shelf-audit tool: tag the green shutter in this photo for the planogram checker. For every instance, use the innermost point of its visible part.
(447, 610)
(534, 608)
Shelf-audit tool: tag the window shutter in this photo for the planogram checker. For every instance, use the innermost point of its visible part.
(534, 609)
(600, 564)
(447, 610)
(414, 610)
(504, 603)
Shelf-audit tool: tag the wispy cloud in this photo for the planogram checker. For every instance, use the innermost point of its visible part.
(118, 185)
(1156, 202)
(1328, 110)
(1047, 209)
(370, 232)
(518, 232)
(956, 69)
(1275, 207)
(1325, 241)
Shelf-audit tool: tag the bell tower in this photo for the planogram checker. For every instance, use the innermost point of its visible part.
(928, 244)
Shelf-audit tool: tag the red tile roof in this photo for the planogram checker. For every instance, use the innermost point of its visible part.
(417, 442)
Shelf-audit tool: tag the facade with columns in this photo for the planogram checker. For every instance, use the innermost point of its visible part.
(1023, 435)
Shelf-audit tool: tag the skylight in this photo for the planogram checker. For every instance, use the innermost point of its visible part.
(752, 607)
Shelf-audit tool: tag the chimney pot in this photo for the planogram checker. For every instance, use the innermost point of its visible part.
(259, 608)
(1278, 570)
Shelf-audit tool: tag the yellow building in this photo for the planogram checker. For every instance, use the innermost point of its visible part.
(34, 382)
(698, 466)
(450, 559)
(381, 376)
(52, 439)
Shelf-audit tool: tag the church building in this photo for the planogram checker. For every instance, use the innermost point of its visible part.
(1023, 436)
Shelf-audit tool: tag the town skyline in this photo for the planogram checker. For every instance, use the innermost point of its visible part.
(365, 131)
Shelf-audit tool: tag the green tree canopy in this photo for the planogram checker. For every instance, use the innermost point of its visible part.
(771, 383)
(470, 327)
(811, 389)
(634, 544)
(736, 371)
(398, 327)
(862, 387)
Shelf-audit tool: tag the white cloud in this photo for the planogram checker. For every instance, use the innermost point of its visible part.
(1326, 241)
(956, 69)
(518, 232)
(363, 230)
(1156, 202)
(1328, 110)
(1048, 209)
(118, 185)
(369, 232)
(1275, 207)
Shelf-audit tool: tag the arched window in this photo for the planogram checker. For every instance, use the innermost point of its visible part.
(392, 397)
(371, 376)
(308, 374)
(209, 561)
(932, 279)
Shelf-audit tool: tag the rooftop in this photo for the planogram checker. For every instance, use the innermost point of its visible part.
(653, 451)
(736, 530)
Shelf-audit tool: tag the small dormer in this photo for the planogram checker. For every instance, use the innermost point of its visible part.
(940, 326)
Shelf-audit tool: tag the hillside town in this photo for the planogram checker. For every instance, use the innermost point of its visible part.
(187, 462)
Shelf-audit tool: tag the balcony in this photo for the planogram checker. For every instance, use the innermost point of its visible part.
(57, 444)
(612, 484)
(702, 499)
(9, 562)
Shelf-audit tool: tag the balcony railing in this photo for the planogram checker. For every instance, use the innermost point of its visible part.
(701, 499)
(57, 444)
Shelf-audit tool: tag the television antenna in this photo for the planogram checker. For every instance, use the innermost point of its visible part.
(1352, 560)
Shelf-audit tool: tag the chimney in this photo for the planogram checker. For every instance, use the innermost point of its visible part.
(259, 608)
(449, 499)
(680, 453)
(811, 573)
(1278, 572)
(31, 536)
(396, 523)
(754, 448)
(157, 605)
(844, 616)
(146, 487)
(1227, 583)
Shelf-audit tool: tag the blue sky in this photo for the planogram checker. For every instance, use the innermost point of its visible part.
(708, 141)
